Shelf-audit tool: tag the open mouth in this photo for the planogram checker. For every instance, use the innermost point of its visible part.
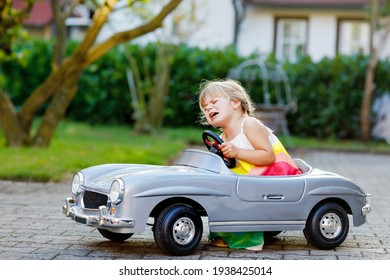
(213, 114)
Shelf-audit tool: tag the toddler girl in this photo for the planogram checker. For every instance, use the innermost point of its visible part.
(226, 105)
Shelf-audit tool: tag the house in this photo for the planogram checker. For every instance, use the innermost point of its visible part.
(40, 22)
(289, 28)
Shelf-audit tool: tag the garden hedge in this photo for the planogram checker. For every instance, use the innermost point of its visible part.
(328, 92)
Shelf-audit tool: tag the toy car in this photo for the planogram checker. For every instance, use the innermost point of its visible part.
(119, 199)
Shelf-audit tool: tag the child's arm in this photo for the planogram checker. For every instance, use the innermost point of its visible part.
(258, 137)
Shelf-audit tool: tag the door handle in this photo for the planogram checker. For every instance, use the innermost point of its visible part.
(274, 196)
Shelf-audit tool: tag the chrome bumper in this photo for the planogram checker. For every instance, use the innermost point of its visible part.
(101, 219)
(367, 207)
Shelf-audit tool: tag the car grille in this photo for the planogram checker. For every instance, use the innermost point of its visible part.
(93, 200)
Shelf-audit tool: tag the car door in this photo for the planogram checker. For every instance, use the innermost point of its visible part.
(271, 197)
(270, 188)
(261, 203)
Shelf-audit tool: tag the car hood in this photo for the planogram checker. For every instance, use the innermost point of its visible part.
(104, 181)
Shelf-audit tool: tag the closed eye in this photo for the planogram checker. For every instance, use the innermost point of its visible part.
(212, 102)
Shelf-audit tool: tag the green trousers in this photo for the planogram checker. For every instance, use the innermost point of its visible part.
(240, 240)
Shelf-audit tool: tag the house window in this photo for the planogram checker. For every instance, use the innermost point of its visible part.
(291, 38)
(78, 22)
(353, 37)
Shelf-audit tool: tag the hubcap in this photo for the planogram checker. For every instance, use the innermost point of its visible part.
(183, 231)
(330, 225)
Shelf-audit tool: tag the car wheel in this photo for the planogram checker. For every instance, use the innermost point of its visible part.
(327, 226)
(178, 230)
(114, 236)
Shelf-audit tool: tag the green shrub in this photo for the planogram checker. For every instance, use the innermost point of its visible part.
(328, 92)
(31, 68)
(329, 95)
(190, 67)
(103, 95)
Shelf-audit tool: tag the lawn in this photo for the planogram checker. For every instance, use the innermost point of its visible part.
(78, 145)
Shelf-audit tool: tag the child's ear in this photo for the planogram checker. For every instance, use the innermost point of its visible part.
(236, 103)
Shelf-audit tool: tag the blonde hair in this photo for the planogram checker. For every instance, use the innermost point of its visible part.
(231, 89)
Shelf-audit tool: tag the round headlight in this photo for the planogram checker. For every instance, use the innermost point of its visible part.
(77, 183)
(117, 191)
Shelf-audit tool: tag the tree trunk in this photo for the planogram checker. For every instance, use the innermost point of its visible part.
(369, 86)
(61, 35)
(365, 113)
(40, 96)
(160, 86)
(65, 93)
(56, 110)
(13, 131)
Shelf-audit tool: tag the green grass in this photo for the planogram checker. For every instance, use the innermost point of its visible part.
(76, 146)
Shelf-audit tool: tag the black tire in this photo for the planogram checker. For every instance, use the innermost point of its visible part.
(114, 236)
(178, 230)
(327, 226)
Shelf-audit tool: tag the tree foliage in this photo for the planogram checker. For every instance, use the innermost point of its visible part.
(11, 21)
(57, 91)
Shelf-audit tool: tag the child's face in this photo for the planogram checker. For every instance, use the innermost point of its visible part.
(217, 109)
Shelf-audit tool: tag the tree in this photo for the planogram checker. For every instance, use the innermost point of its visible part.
(61, 11)
(149, 82)
(10, 23)
(379, 21)
(10, 29)
(150, 92)
(58, 90)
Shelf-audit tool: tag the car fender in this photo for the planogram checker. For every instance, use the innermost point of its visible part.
(353, 198)
(334, 191)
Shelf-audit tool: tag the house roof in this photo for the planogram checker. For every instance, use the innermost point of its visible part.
(40, 15)
(339, 4)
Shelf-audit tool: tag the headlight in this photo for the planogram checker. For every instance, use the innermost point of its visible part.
(117, 191)
(77, 183)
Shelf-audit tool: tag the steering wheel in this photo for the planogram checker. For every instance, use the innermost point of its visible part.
(212, 142)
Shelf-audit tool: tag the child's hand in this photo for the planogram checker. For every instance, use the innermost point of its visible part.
(229, 150)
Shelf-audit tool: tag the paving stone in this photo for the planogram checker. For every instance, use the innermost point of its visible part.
(33, 226)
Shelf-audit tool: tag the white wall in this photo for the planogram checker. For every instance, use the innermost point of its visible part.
(256, 32)
(211, 25)
(322, 36)
(214, 25)
(385, 52)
